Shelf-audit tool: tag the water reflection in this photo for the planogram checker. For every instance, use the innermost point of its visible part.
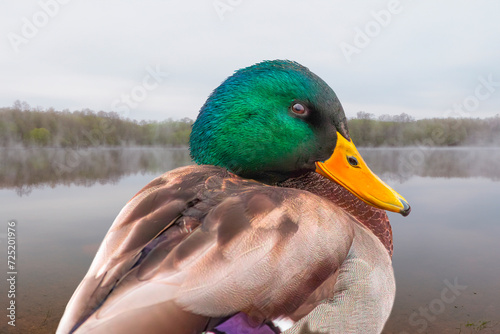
(25, 169)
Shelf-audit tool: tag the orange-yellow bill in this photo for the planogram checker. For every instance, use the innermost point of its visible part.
(347, 168)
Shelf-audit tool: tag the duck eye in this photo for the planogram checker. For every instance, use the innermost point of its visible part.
(352, 161)
(298, 109)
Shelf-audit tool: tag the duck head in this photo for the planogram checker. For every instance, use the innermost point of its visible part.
(275, 120)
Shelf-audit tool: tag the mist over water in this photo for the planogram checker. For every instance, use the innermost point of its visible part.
(65, 200)
(462, 162)
(25, 169)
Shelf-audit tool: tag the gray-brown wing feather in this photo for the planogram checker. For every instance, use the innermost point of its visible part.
(232, 245)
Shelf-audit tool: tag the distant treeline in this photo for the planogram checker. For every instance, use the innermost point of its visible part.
(23, 125)
(403, 130)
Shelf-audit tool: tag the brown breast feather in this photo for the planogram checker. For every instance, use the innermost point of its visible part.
(373, 218)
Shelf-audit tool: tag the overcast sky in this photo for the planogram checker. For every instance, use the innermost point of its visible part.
(155, 59)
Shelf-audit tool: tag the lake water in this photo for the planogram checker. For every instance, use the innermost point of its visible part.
(446, 253)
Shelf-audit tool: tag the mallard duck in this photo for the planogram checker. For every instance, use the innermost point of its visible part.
(280, 225)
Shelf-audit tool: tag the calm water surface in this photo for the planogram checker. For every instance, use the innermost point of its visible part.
(446, 253)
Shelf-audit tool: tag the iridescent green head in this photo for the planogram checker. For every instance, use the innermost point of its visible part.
(272, 118)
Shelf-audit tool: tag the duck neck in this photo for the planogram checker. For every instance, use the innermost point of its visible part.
(274, 178)
(373, 218)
